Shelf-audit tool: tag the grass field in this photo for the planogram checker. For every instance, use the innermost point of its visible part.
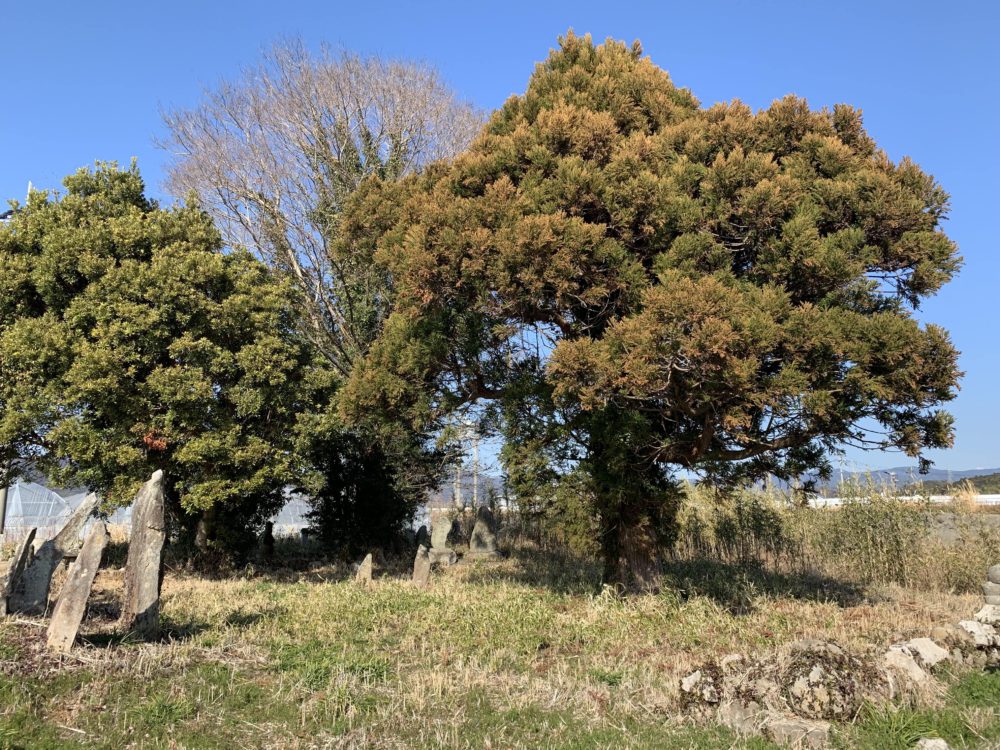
(524, 653)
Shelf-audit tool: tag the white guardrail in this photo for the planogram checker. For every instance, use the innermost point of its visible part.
(831, 502)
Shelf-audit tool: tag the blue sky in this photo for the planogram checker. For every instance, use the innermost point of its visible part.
(86, 81)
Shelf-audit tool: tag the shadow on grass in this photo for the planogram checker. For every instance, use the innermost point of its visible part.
(170, 632)
(734, 586)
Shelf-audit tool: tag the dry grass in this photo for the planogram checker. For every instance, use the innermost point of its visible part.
(520, 653)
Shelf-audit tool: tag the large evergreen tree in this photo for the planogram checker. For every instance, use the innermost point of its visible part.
(130, 342)
(645, 285)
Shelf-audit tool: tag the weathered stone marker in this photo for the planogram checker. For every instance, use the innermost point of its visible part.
(364, 574)
(13, 574)
(144, 567)
(440, 552)
(72, 602)
(483, 541)
(422, 568)
(31, 595)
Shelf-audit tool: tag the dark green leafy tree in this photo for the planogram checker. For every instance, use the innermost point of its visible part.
(130, 342)
(643, 286)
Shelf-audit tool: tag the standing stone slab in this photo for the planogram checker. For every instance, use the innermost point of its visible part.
(364, 574)
(422, 568)
(13, 574)
(31, 595)
(441, 529)
(72, 602)
(483, 541)
(144, 567)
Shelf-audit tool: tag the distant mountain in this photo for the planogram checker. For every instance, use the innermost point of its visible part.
(906, 475)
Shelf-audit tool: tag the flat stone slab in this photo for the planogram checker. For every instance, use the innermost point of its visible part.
(794, 732)
(930, 653)
(15, 570)
(72, 602)
(144, 567)
(31, 595)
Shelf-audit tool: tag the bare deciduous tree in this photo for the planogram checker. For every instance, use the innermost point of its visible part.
(274, 155)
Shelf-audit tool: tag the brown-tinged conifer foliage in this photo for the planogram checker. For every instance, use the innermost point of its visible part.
(645, 285)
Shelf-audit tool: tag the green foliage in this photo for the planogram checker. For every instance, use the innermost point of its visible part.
(657, 285)
(130, 342)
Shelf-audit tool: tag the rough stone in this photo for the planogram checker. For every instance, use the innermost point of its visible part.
(982, 635)
(932, 743)
(31, 595)
(700, 686)
(144, 566)
(422, 568)
(483, 540)
(741, 719)
(995, 600)
(441, 529)
(15, 569)
(930, 653)
(794, 732)
(72, 602)
(988, 615)
(993, 575)
(901, 662)
(364, 574)
(991, 589)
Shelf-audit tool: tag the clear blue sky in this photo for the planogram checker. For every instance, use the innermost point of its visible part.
(86, 80)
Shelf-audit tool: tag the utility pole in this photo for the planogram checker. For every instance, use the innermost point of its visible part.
(475, 470)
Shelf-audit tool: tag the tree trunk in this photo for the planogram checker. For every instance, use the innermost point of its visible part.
(631, 550)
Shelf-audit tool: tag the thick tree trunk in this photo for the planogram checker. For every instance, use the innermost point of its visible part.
(632, 555)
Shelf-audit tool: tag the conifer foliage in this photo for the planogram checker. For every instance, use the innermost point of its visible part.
(129, 342)
(644, 285)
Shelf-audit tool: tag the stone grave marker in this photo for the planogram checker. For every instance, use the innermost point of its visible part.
(483, 541)
(364, 574)
(13, 574)
(422, 568)
(31, 595)
(72, 602)
(144, 567)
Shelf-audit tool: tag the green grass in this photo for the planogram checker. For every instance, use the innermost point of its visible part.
(492, 655)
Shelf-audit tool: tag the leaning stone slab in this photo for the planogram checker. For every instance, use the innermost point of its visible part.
(364, 574)
(32, 592)
(483, 541)
(72, 602)
(144, 566)
(422, 568)
(13, 574)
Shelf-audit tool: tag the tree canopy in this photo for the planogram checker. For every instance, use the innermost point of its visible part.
(642, 285)
(130, 342)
